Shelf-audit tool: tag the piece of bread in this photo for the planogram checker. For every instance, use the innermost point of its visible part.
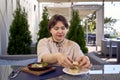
(75, 63)
(75, 68)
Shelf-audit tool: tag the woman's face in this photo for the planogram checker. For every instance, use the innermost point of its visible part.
(58, 31)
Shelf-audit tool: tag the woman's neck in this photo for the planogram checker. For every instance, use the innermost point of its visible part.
(60, 41)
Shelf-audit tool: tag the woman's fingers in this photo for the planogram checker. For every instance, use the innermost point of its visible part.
(87, 66)
(84, 62)
(70, 59)
(65, 61)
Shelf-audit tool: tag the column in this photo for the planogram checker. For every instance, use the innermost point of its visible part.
(99, 26)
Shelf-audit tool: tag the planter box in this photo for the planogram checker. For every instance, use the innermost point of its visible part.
(18, 57)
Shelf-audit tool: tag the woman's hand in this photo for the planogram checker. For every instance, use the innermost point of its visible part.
(64, 60)
(84, 62)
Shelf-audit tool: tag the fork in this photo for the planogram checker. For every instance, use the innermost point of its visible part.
(14, 74)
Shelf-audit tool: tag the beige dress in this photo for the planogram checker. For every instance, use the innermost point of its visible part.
(66, 47)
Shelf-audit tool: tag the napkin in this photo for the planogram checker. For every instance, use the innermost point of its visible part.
(95, 72)
(111, 69)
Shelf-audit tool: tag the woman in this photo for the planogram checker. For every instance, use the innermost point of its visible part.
(58, 49)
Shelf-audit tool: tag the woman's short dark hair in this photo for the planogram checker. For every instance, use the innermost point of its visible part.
(55, 19)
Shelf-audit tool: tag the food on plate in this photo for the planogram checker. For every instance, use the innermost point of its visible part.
(75, 63)
(36, 65)
(75, 68)
(39, 65)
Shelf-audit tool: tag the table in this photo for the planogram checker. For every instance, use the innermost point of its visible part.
(5, 70)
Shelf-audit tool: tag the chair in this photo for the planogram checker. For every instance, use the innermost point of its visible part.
(95, 60)
(107, 50)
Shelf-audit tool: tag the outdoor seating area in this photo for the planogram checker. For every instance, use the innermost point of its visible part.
(59, 40)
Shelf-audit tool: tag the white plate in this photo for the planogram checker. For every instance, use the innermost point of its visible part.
(83, 71)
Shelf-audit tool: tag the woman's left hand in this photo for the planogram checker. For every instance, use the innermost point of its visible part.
(84, 62)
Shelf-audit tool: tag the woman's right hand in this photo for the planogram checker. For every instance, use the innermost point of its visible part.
(64, 60)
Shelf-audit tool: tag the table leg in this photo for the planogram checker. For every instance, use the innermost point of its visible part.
(118, 52)
(110, 50)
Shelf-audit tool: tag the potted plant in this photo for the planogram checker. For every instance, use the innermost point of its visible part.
(43, 26)
(19, 38)
(76, 32)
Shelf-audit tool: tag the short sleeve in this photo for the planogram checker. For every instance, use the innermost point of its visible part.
(42, 48)
(77, 51)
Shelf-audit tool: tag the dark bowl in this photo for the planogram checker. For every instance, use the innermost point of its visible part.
(39, 66)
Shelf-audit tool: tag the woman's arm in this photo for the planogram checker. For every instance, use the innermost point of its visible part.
(50, 58)
(58, 58)
(42, 49)
(83, 60)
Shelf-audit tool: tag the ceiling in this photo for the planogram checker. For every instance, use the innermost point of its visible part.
(65, 11)
(76, 0)
(84, 10)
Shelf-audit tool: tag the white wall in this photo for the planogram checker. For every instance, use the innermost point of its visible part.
(31, 7)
